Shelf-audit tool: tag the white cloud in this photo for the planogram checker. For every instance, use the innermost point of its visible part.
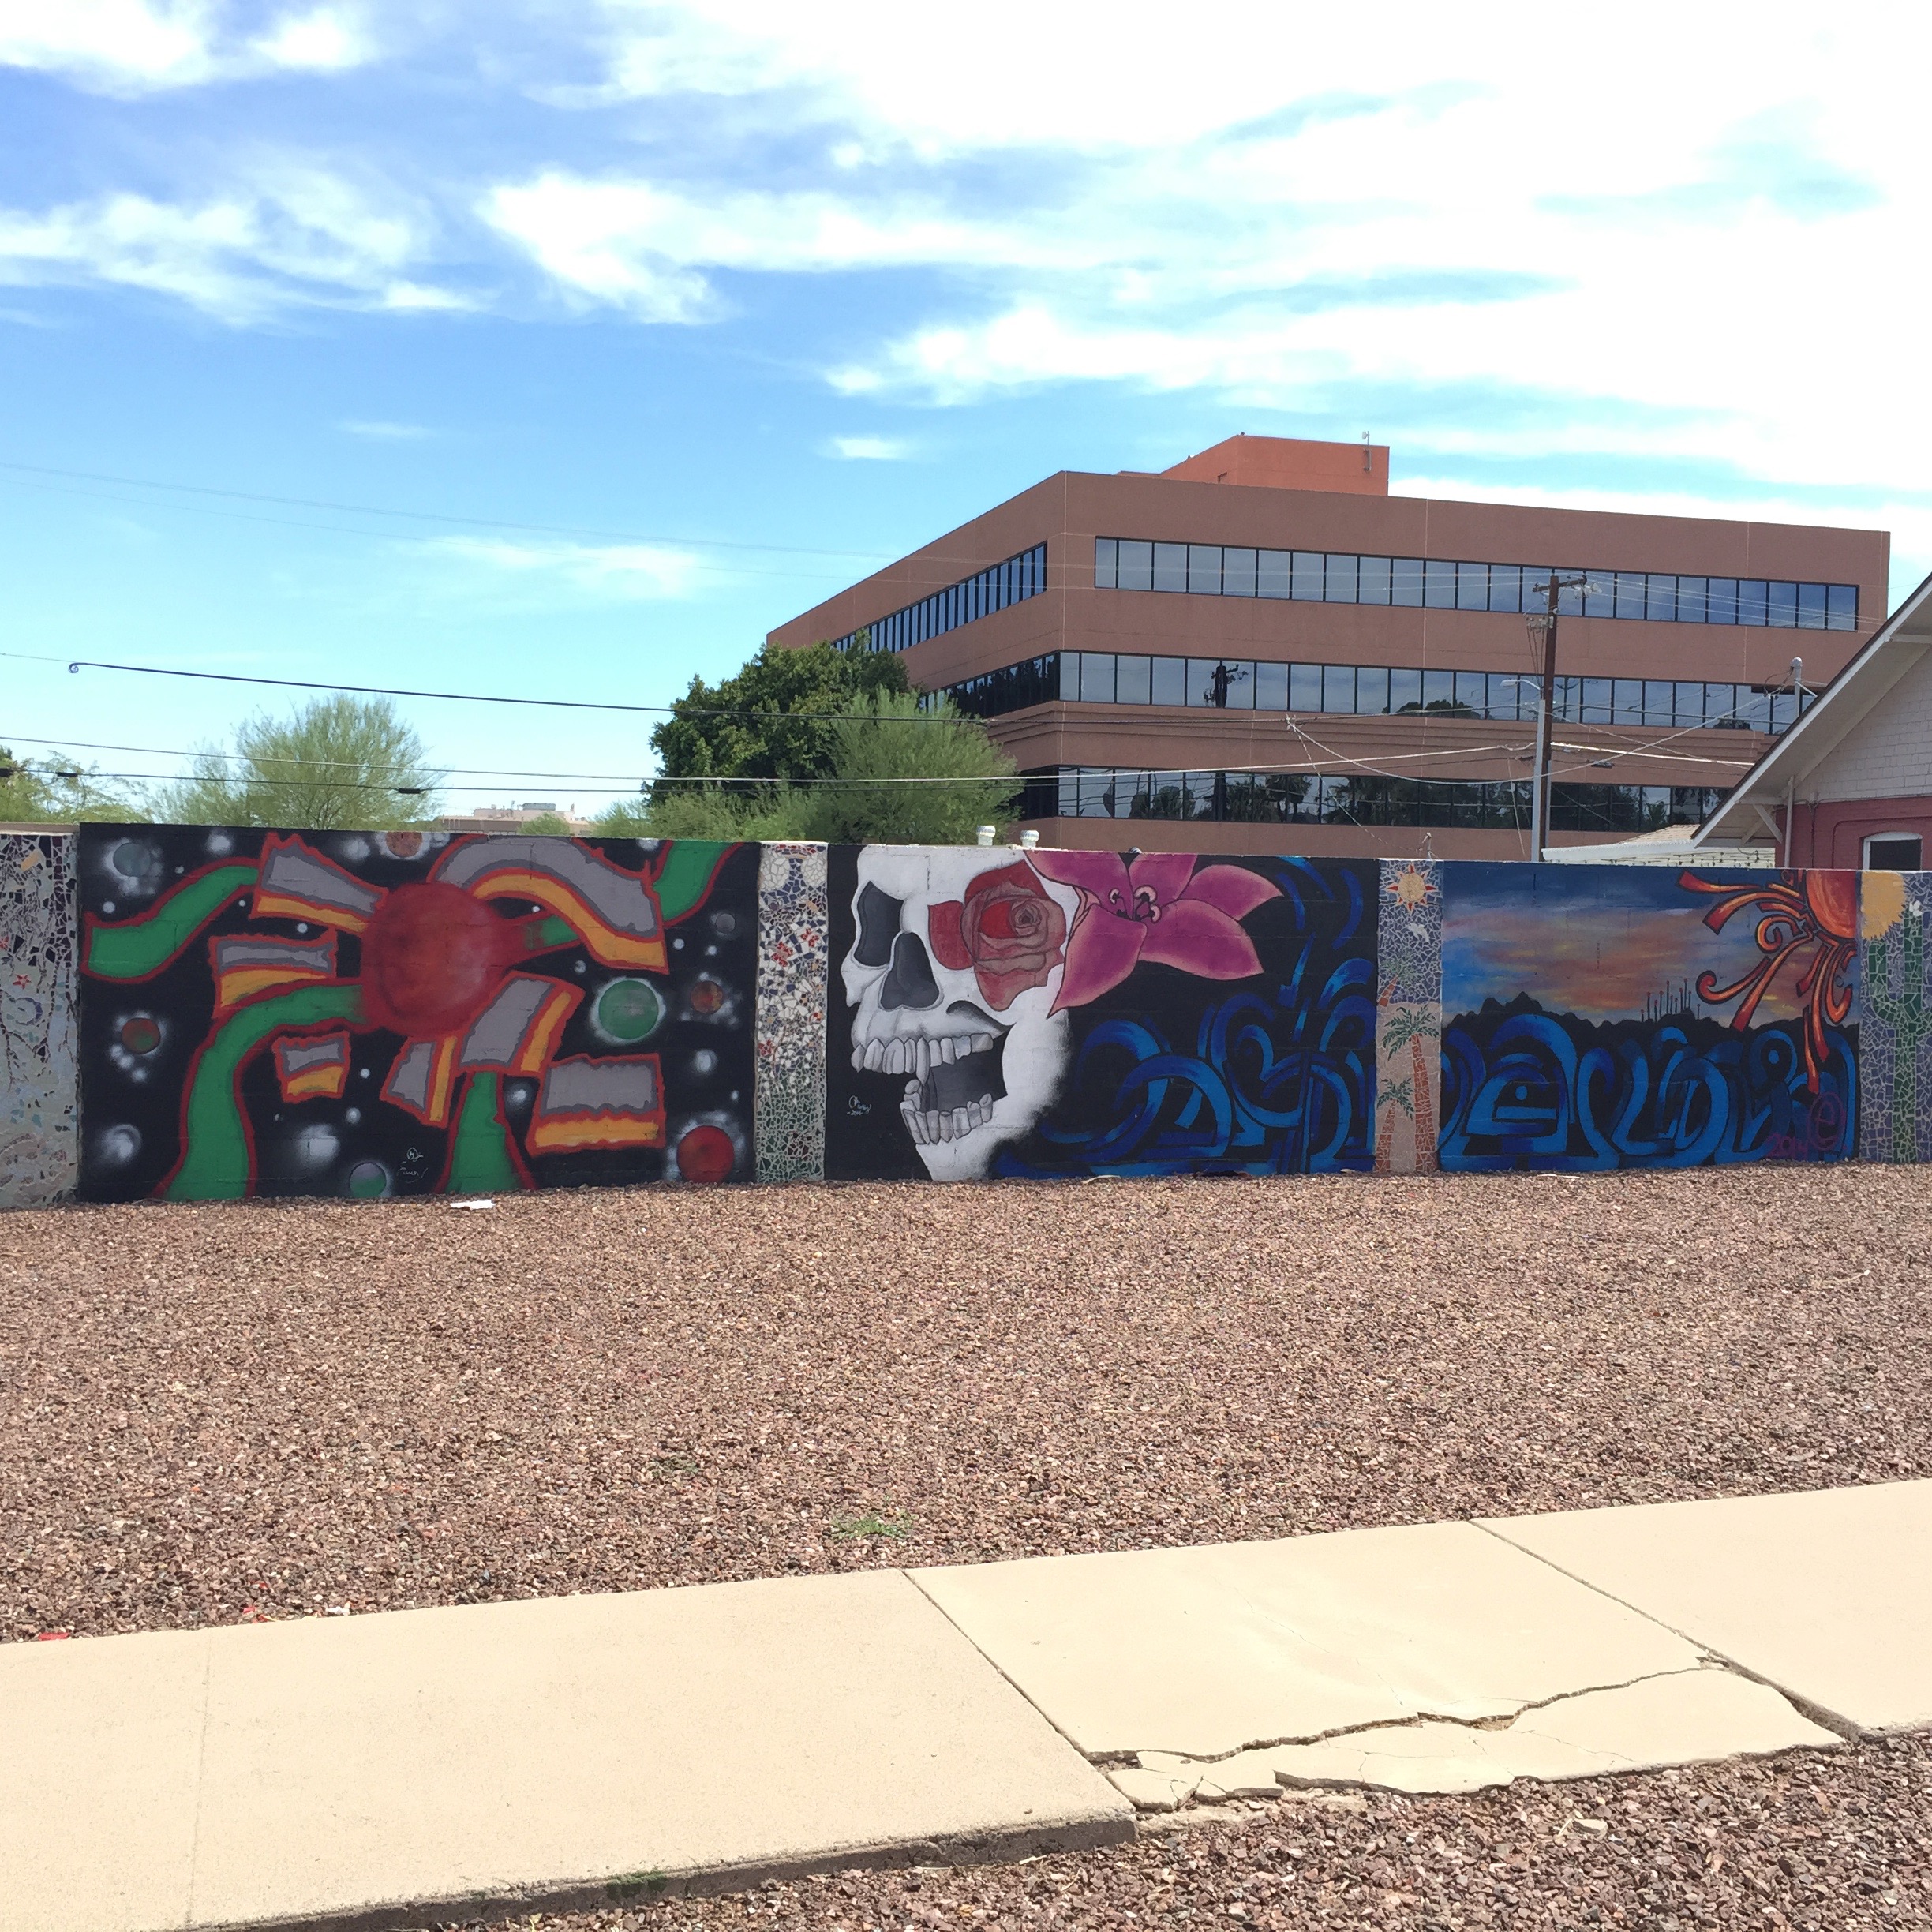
(327, 40)
(384, 431)
(611, 573)
(867, 448)
(301, 237)
(136, 47)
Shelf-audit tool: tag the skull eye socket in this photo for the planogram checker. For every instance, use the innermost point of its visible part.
(878, 926)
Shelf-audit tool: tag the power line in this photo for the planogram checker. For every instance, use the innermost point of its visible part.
(79, 665)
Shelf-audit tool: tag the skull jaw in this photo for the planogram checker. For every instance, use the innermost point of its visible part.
(1032, 1062)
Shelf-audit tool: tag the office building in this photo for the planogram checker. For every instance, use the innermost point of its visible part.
(1263, 650)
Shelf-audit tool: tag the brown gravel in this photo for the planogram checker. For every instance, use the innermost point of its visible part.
(1838, 1842)
(207, 1411)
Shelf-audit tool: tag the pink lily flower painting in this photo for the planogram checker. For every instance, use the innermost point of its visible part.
(1158, 909)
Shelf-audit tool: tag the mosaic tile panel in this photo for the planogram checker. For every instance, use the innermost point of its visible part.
(37, 1064)
(1408, 1014)
(1895, 1018)
(789, 1123)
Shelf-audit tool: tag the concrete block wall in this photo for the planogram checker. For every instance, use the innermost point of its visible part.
(212, 1013)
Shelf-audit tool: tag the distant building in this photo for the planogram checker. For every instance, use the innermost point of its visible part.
(513, 818)
(1851, 786)
(1264, 639)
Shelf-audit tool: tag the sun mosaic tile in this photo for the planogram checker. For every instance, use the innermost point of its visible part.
(1895, 1030)
(1408, 1014)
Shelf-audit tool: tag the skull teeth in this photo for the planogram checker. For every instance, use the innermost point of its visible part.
(930, 1127)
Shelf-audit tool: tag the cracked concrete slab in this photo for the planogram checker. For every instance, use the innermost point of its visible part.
(397, 1767)
(1687, 1717)
(1826, 1593)
(1205, 1651)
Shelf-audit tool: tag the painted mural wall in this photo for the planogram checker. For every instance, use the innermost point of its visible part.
(368, 1014)
(192, 1013)
(1056, 1014)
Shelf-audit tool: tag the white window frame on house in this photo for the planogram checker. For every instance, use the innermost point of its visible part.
(1881, 838)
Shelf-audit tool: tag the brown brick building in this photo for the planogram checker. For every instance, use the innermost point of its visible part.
(1263, 640)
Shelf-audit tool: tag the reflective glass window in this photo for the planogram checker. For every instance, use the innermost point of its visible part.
(1505, 586)
(1810, 607)
(1438, 690)
(1070, 674)
(1273, 574)
(1069, 788)
(1439, 584)
(1690, 706)
(1168, 795)
(1630, 589)
(1405, 691)
(1339, 688)
(1626, 701)
(1406, 580)
(1271, 687)
(1132, 680)
(1170, 566)
(1240, 684)
(1720, 600)
(1096, 684)
(1596, 701)
(1307, 575)
(1600, 594)
(1090, 790)
(1199, 683)
(1169, 680)
(1200, 794)
(1512, 694)
(1570, 598)
(1689, 600)
(1472, 688)
(1135, 567)
(1305, 687)
(1472, 586)
(1237, 572)
(1371, 690)
(1752, 592)
(1204, 569)
(1659, 700)
(1338, 578)
(1784, 710)
(1535, 587)
(1372, 580)
(1754, 708)
(1841, 608)
(1781, 606)
(1661, 607)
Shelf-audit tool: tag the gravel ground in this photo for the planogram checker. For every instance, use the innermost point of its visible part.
(1844, 1842)
(210, 1412)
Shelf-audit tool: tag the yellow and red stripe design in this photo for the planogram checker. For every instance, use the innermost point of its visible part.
(297, 883)
(247, 964)
(423, 1079)
(312, 1068)
(599, 1103)
(613, 911)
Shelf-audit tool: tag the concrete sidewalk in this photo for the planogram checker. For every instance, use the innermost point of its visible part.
(387, 1770)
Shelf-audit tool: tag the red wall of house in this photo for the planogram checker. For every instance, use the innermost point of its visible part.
(1833, 833)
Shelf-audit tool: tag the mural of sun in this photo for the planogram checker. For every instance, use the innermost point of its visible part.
(373, 1013)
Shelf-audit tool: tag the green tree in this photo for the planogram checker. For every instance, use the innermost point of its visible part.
(912, 777)
(549, 822)
(57, 790)
(777, 718)
(337, 763)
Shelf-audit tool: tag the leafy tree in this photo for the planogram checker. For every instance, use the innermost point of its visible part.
(337, 763)
(777, 718)
(547, 823)
(56, 790)
(913, 777)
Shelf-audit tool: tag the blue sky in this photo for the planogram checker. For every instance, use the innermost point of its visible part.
(663, 321)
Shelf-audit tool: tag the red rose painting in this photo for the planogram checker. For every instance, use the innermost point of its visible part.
(1007, 929)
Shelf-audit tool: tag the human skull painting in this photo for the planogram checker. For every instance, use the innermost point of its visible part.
(957, 956)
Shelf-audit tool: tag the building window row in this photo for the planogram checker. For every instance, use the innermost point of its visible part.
(1313, 798)
(1433, 583)
(978, 596)
(1371, 691)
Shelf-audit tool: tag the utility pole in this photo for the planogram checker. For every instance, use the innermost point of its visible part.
(1546, 707)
